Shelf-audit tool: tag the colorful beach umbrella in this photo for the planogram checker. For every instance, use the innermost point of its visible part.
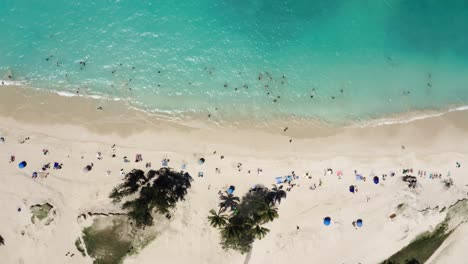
(359, 223)
(376, 180)
(22, 165)
(327, 221)
(351, 188)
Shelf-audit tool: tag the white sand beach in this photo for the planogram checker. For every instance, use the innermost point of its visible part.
(73, 130)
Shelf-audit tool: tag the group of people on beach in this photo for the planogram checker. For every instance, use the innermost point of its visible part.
(290, 181)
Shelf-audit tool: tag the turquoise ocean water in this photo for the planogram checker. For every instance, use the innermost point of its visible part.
(338, 61)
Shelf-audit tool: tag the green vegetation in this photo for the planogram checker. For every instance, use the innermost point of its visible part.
(217, 219)
(240, 223)
(79, 246)
(41, 212)
(422, 248)
(158, 191)
(108, 243)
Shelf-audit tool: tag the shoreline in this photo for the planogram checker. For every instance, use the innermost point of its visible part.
(29, 107)
(74, 130)
(120, 106)
(234, 132)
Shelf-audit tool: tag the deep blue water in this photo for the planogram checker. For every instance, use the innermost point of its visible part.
(338, 61)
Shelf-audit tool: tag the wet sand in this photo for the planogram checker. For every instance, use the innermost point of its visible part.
(73, 130)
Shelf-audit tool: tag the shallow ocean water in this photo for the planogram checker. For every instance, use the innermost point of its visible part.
(337, 61)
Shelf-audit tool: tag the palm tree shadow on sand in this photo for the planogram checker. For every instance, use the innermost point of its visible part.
(240, 222)
(154, 196)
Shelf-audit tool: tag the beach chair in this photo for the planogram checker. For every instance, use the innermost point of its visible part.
(279, 180)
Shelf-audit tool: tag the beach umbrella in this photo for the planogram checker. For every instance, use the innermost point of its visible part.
(22, 165)
(376, 180)
(351, 188)
(359, 223)
(327, 221)
(201, 161)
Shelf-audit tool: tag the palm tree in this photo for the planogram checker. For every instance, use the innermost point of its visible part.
(276, 194)
(217, 219)
(135, 179)
(231, 231)
(267, 213)
(228, 201)
(132, 182)
(159, 191)
(260, 232)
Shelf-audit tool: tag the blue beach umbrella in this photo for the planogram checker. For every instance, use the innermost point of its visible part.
(351, 188)
(327, 221)
(359, 223)
(22, 165)
(201, 161)
(376, 180)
